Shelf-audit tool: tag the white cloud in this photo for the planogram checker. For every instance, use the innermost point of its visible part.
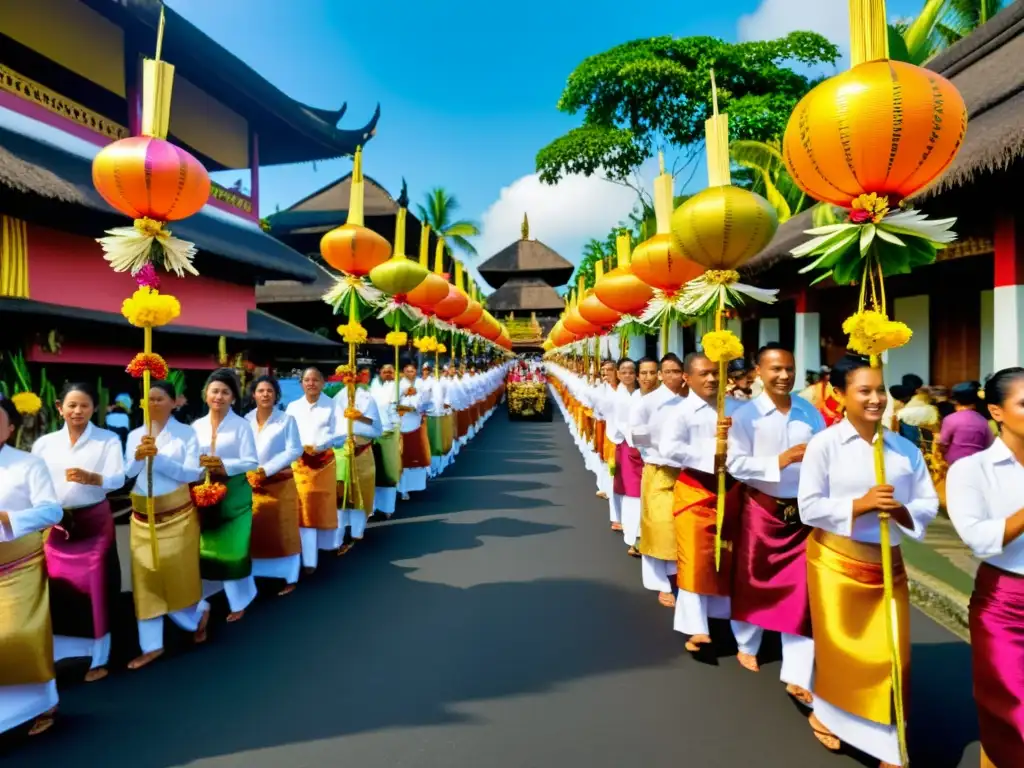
(563, 216)
(777, 18)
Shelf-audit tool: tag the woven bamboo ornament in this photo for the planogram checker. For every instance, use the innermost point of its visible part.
(353, 248)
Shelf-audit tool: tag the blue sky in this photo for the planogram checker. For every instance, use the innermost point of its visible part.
(468, 89)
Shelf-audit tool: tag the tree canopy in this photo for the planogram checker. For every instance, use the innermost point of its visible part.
(646, 95)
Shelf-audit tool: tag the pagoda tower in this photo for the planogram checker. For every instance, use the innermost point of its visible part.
(524, 275)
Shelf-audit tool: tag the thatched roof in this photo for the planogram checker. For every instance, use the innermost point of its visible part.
(531, 257)
(525, 294)
(335, 197)
(986, 67)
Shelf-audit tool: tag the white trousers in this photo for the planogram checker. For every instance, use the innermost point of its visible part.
(384, 500)
(655, 573)
(413, 480)
(355, 519)
(21, 703)
(879, 741)
(693, 612)
(630, 516)
(151, 631)
(66, 647)
(797, 652)
(240, 592)
(314, 539)
(615, 507)
(286, 568)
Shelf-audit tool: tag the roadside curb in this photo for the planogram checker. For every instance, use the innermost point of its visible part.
(939, 602)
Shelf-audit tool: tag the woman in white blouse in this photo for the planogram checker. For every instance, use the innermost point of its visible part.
(985, 499)
(227, 451)
(840, 498)
(170, 586)
(28, 506)
(85, 464)
(276, 548)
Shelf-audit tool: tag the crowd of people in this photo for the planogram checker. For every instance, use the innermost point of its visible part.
(214, 506)
(800, 547)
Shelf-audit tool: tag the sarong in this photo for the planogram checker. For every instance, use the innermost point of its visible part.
(387, 459)
(85, 575)
(657, 524)
(598, 437)
(608, 455)
(416, 448)
(851, 655)
(464, 420)
(696, 522)
(25, 633)
(275, 518)
(174, 584)
(447, 433)
(316, 482)
(226, 532)
(997, 653)
(360, 497)
(435, 435)
(770, 566)
(629, 469)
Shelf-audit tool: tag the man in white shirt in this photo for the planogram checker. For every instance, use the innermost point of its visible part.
(412, 406)
(689, 442)
(766, 448)
(355, 499)
(387, 449)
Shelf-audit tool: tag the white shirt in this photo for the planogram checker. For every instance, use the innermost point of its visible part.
(317, 425)
(97, 450)
(982, 490)
(366, 405)
(277, 442)
(687, 437)
(839, 467)
(438, 397)
(760, 432)
(410, 422)
(646, 422)
(26, 493)
(235, 447)
(625, 413)
(176, 462)
(617, 409)
(384, 395)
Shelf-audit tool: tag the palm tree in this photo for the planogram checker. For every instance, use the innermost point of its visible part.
(439, 213)
(939, 24)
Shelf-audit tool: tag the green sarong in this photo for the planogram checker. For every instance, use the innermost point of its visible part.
(435, 435)
(226, 531)
(387, 455)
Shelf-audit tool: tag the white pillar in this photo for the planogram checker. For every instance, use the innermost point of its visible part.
(637, 347)
(915, 356)
(986, 362)
(807, 345)
(767, 331)
(1008, 293)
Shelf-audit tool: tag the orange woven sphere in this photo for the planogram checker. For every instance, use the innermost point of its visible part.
(884, 126)
(468, 318)
(145, 177)
(453, 305)
(623, 291)
(429, 293)
(659, 263)
(354, 250)
(560, 336)
(487, 326)
(575, 324)
(594, 311)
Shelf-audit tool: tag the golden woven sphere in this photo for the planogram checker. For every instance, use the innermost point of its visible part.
(660, 263)
(596, 312)
(723, 227)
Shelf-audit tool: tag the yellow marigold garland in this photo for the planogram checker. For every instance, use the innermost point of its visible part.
(27, 403)
(352, 333)
(396, 339)
(872, 333)
(148, 308)
(425, 344)
(721, 346)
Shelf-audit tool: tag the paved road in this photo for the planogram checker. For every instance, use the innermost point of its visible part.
(497, 624)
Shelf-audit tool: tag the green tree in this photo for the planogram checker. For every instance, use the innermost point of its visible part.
(939, 24)
(439, 213)
(654, 94)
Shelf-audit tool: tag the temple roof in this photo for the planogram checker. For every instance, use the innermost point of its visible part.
(289, 131)
(526, 258)
(525, 294)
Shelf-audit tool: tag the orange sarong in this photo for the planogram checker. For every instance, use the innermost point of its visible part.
(416, 448)
(316, 482)
(694, 507)
(275, 517)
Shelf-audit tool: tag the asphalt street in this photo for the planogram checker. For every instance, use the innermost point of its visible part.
(495, 623)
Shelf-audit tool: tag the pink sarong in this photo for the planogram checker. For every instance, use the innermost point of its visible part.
(628, 469)
(770, 566)
(997, 653)
(84, 572)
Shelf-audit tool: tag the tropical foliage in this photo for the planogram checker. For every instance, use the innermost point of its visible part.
(939, 24)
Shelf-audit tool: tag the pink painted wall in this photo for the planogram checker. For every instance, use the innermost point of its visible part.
(96, 354)
(70, 270)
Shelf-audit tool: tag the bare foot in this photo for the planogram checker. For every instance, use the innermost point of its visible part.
(667, 599)
(748, 661)
(344, 549)
(200, 635)
(800, 694)
(602, 495)
(235, 616)
(288, 589)
(828, 739)
(43, 723)
(146, 658)
(696, 641)
(308, 570)
(94, 675)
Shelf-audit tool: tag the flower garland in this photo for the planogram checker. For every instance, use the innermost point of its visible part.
(352, 333)
(148, 362)
(27, 403)
(721, 347)
(396, 339)
(148, 308)
(208, 494)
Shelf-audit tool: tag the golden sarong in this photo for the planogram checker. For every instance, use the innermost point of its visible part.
(696, 521)
(600, 432)
(657, 524)
(275, 517)
(366, 480)
(26, 636)
(316, 482)
(851, 656)
(175, 583)
(608, 454)
(447, 433)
